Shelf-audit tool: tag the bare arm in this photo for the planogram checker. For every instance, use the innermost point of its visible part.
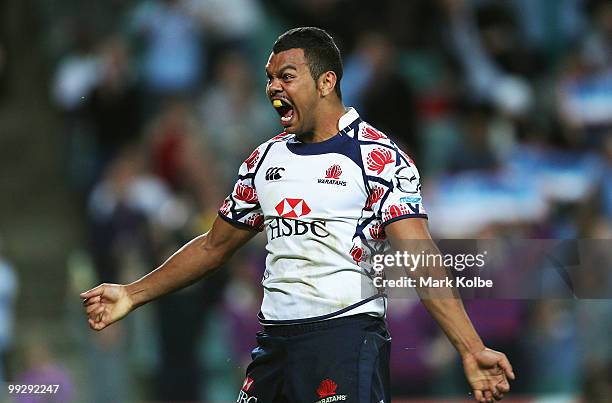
(107, 303)
(443, 304)
(485, 369)
(194, 260)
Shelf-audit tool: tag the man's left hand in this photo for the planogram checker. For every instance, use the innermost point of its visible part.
(488, 372)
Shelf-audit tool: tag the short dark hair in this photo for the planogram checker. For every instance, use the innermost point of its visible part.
(320, 51)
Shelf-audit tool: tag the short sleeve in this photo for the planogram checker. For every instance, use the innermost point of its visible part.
(241, 207)
(395, 185)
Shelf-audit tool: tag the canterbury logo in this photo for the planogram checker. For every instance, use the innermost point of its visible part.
(274, 173)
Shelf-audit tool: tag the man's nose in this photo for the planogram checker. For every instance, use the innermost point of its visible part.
(274, 87)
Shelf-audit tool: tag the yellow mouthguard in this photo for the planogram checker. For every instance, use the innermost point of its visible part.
(277, 103)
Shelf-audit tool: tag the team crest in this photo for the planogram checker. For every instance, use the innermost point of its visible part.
(327, 392)
(332, 176)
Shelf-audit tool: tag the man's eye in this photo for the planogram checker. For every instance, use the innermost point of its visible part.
(287, 77)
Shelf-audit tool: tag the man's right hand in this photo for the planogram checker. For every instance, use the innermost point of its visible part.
(106, 304)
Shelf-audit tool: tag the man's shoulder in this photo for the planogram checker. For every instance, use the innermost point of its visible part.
(378, 150)
(279, 138)
(252, 160)
(283, 136)
(374, 141)
(367, 134)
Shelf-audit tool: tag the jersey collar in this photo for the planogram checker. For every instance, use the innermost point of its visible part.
(344, 123)
(349, 117)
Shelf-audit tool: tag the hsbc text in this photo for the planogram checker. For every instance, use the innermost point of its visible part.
(280, 226)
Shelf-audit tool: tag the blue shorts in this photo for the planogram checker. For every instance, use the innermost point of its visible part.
(337, 360)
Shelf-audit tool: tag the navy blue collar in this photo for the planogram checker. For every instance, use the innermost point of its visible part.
(335, 144)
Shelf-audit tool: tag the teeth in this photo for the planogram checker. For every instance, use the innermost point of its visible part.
(286, 118)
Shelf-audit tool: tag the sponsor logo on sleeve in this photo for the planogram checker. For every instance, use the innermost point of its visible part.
(410, 199)
(406, 180)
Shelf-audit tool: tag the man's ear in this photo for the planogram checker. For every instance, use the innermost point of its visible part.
(327, 83)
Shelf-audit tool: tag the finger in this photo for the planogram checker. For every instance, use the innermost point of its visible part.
(94, 292)
(488, 396)
(99, 326)
(99, 312)
(96, 325)
(507, 367)
(478, 396)
(496, 394)
(92, 300)
(92, 308)
(503, 386)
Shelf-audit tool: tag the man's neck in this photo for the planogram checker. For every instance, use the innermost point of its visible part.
(327, 126)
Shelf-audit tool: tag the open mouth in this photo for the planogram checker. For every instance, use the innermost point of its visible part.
(284, 109)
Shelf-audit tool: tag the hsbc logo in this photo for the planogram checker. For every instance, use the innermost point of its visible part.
(288, 224)
(281, 227)
(292, 208)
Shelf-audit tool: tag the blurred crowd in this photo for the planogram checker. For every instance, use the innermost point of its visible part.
(505, 106)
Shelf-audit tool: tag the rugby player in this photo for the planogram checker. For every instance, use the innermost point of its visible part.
(330, 191)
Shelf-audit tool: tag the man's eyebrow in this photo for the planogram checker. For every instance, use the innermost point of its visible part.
(286, 67)
(282, 69)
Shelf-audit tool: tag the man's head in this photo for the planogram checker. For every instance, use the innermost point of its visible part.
(320, 50)
(304, 71)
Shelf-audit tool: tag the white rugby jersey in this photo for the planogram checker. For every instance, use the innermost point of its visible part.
(324, 207)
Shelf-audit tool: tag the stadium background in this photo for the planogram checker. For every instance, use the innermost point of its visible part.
(123, 123)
